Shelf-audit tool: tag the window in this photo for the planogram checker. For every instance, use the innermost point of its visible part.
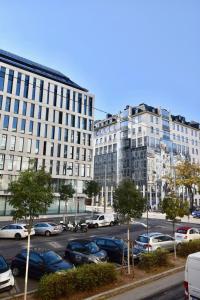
(7, 106)
(10, 81)
(23, 125)
(79, 122)
(34, 89)
(2, 78)
(66, 119)
(14, 124)
(90, 107)
(65, 151)
(72, 136)
(64, 168)
(59, 133)
(70, 169)
(39, 112)
(53, 132)
(6, 122)
(54, 116)
(66, 135)
(45, 130)
(21, 144)
(18, 163)
(10, 162)
(84, 123)
(32, 110)
(26, 86)
(72, 121)
(1, 101)
(37, 146)
(55, 95)
(68, 100)
(89, 139)
(60, 116)
(51, 167)
(2, 160)
(77, 153)
(24, 108)
(12, 143)
(41, 90)
(76, 170)
(16, 106)
(57, 168)
(38, 129)
(52, 149)
(47, 114)
(29, 145)
(78, 141)
(85, 105)
(74, 101)
(61, 98)
(44, 148)
(90, 125)
(84, 138)
(31, 127)
(48, 92)
(79, 103)
(3, 140)
(84, 154)
(71, 152)
(58, 150)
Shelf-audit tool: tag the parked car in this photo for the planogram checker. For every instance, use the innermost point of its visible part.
(186, 234)
(192, 274)
(101, 220)
(116, 249)
(196, 213)
(84, 251)
(6, 278)
(153, 241)
(41, 262)
(47, 229)
(15, 231)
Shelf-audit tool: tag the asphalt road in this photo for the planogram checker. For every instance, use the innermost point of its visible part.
(57, 243)
(176, 292)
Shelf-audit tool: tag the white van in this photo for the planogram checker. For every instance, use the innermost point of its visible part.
(101, 220)
(192, 277)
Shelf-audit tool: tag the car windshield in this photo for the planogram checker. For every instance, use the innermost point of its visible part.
(3, 265)
(92, 247)
(183, 231)
(51, 258)
(143, 239)
(95, 217)
(53, 224)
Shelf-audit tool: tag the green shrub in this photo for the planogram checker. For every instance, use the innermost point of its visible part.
(86, 277)
(188, 248)
(158, 258)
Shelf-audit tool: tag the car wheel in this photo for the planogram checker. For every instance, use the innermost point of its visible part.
(15, 271)
(47, 233)
(178, 247)
(96, 225)
(18, 236)
(111, 223)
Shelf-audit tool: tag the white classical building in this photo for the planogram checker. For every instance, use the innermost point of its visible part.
(46, 117)
(142, 143)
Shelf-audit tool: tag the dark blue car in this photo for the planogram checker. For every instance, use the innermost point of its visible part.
(41, 262)
(196, 213)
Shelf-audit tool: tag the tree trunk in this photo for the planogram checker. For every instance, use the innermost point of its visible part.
(65, 213)
(128, 254)
(173, 222)
(191, 198)
(27, 264)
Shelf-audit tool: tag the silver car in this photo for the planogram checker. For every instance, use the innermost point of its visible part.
(153, 241)
(47, 229)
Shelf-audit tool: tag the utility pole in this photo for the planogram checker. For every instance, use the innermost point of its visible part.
(105, 179)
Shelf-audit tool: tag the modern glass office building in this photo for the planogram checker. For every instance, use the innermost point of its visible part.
(48, 118)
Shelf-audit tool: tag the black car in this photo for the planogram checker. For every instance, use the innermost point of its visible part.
(41, 262)
(84, 251)
(116, 249)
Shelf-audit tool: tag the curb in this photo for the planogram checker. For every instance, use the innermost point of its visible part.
(129, 286)
(19, 295)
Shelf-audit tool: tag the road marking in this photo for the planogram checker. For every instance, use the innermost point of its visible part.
(55, 245)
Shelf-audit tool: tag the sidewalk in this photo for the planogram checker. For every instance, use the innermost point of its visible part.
(158, 215)
(153, 288)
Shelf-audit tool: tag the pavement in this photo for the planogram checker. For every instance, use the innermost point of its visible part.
(153, 289)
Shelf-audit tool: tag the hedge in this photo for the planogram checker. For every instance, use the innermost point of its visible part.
(151, 260)
(87, 277)
(186, 248)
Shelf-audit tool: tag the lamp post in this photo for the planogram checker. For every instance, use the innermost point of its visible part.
(105, 181)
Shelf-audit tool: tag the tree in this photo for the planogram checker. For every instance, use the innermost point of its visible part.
(30, 196)
(129, 202)
(174, 207)
(66, 192)
(92, 189)
(188, 175)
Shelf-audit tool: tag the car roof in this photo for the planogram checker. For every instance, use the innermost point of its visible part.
(150, 234)
(38, 250)
(107, 238)
(184, 228)
(83, 241)
(21, 224)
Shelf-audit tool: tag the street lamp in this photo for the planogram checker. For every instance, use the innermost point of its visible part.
(105, 181)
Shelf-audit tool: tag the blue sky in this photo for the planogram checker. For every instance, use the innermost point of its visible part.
(123, 51)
